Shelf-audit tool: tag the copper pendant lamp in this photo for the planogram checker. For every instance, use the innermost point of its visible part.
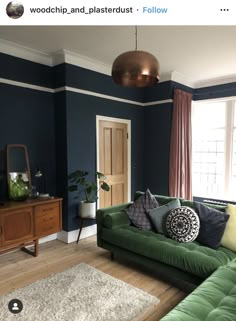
(136, 68)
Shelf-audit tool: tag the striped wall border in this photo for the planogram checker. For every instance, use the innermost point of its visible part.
(82, 91)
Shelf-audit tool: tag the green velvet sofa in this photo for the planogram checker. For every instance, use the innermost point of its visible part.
(213, 300)
(186, 265)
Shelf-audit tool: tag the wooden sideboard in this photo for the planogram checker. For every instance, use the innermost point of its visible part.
(24, 223)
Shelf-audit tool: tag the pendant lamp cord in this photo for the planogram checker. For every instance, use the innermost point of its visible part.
(136, 37)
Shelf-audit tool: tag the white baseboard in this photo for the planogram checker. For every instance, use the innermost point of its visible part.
(69, 237)
(48, 238)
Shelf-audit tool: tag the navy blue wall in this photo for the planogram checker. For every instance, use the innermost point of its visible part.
(157, 124)
(61, 153)
(27, 117)
(59, 129)
(219, 91)
(160, 91)
(79, 113)
(81, 137)
(82, 78)
(157, 147)
(22, 70)
(163, 91)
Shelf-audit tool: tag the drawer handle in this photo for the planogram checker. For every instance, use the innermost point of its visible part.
(47, 209)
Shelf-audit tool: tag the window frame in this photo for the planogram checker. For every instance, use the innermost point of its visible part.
(230, 112)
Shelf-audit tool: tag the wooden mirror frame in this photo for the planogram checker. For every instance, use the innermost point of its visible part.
(9, 147)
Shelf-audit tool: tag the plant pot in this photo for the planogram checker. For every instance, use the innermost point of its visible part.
(87, 209)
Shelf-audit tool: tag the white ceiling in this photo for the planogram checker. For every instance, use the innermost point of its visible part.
(200, 53)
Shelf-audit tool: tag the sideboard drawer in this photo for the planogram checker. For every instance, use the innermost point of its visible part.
(46, 225)
(47, 209)
(47, 219)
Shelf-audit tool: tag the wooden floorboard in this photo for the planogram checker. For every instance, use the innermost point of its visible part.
(18, 269)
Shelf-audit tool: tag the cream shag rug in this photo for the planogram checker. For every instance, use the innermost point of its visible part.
(81, 293)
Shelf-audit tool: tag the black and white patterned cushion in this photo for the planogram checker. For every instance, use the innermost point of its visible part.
(182, 224)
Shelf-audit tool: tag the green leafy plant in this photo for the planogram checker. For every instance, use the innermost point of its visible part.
(78, 182)
(19, 189)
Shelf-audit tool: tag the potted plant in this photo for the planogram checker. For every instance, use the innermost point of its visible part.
(79, 182)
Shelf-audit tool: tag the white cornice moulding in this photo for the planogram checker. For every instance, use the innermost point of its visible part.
(216, 81)
(185, 80)
(16, 50)
(87, 63)
(58, 57)
(182, 79)
(65, 56)
(53, 59)
(165, 77)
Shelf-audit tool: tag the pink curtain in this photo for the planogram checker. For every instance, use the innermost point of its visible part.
(180, 172)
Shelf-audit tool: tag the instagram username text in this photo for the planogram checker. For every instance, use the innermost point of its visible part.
(97, 10)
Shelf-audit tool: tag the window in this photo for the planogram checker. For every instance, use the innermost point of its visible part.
(214, 149)
(233, 171)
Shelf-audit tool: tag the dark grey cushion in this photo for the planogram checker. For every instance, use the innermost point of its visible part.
(137, 211)
(182, 224)
(212, 225)
(158, 215)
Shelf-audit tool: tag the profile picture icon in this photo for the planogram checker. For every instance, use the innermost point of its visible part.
(15, 306)
(14, 9)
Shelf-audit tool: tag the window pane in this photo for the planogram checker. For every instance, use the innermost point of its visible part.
(209, 115)
(208, 147)
(208, 163)
(235, 114)
(233, 173)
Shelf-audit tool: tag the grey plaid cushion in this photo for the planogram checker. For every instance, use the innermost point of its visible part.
(137, 211)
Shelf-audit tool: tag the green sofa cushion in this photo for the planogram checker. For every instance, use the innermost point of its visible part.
(189, 257)
(213, 300)
(117, 219)
(159, 214)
